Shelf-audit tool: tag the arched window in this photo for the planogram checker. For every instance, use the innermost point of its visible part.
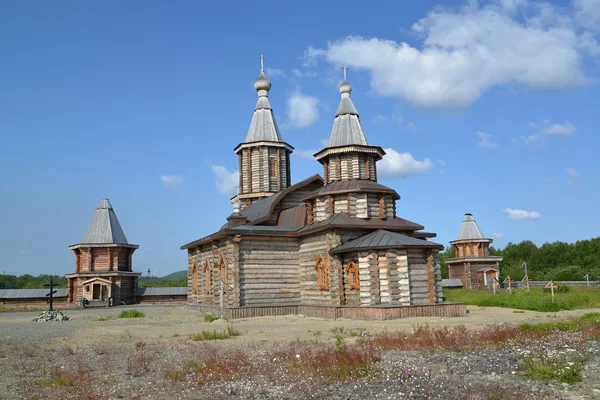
(194, 279)
(352, 272)
(207, 278)
(322, 274)
(223, 268)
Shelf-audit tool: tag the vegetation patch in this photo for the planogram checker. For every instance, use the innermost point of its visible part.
(229, 332)
(131, 314)
(209, 317)
(533, 299)
(544, 367)
(107, 318)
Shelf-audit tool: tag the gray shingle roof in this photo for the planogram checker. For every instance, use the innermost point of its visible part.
(162, 291)
(105, 227)
(451, 283)
(469, 229)
(382, 239)
(347, 129)
(352, 185)
(263, 126)
(30, 293)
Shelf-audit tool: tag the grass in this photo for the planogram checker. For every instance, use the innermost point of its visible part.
(131, 314)
(554, 368)
(210, 317)
(229, 332)
(587, 323)
(534, 299)
(106, 318)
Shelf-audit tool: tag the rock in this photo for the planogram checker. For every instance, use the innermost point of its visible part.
(50, 316)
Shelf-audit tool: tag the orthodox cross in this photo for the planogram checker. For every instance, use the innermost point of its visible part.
(52, 286)
(587, 278)
(345, 69)
(507, 279)
(262, 63)
(552, 286)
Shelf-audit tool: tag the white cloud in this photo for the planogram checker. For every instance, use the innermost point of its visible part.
(545, 129)
(227, 182)
(402, 164)
(305, 153)
(497, 236)
(485, 141)
(441, 162)
(554, 129)
(588, 13)
(302, 109)
(172, 181)
(521, 214)
(274, 72)
(573, 176)
(380, 118)
(466, 52)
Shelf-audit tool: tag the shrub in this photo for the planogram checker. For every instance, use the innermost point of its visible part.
(552, 368)
(215, 335)
(209, 317)
(131, 314)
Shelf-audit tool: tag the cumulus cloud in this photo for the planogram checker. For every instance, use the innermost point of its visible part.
(572, 176)
(588, 13)
(545, 129)
(521, 214)
(497, 236)
(227, 182)
(305, 153)
(485, 141)
(465, 52)
(302, 109)
(274, 72)
(402, 164)
(172, 181)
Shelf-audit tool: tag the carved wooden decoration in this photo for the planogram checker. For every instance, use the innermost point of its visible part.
(331, 205)
(223, 268)
(367, 172)
(322, 274)
(194, 279)
(381, 206)
(352, 272)
(309, 212)
(207, 278)
(326, 170)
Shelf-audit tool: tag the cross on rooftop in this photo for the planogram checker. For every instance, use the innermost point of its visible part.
(262, 63)
(345, 69)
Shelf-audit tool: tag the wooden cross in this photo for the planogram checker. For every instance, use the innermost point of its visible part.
(507, 279)
(262, 63)
(552, 285)
(52, 286)
(587, 278)
(345, 69)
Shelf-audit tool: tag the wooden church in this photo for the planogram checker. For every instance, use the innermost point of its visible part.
(103, 263)
(473, 264)
(328, 246)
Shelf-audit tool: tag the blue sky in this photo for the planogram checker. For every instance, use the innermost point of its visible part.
(483, 107)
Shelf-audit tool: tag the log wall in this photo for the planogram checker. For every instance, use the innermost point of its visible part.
(311, 247)
(269, 271)
(350, 166)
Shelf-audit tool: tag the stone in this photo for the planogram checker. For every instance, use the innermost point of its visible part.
(50, 316)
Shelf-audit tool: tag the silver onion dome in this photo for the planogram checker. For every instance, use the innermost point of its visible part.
(262, 83)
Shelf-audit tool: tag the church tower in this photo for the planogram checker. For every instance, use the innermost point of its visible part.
(264, 158)
(350, 170)
(103, 263)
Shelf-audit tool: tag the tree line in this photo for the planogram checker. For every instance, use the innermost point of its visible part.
(558, 261)
(37, 282)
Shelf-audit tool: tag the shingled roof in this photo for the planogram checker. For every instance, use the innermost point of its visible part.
(350, 186)
(105, 229)
(469, 230)
(382, 239)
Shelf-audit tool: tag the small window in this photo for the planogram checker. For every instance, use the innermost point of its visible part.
(353, 277)
(195, 279)
(322, 274)
(87, 288)
(207, 278)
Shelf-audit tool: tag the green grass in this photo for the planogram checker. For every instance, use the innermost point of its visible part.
(534, 299)
(210, 317)
(586, 321)
(106, 318)
(131, 314)
(215, 335)
(558, 368)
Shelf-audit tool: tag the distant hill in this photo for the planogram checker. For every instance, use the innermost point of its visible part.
(176, 275)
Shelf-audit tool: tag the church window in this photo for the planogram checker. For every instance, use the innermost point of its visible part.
(194, 279)
(322, 274)
(352, 272)
(207, 278)
(223, 268)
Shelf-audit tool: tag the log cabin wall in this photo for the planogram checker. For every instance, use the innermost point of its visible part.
(269, 272)
(369, 278)
(351, 165)
(351, 295)
(422, 277)
(311, 247)
(209, 280)
(438, 277)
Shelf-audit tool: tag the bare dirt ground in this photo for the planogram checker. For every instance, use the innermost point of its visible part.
(154, 358)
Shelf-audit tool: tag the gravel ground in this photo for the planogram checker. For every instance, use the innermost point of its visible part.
(151, 357)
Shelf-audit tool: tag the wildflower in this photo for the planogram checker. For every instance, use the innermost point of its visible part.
(407, 371)
(298, 356)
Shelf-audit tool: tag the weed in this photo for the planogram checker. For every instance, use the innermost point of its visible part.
(229, 332)
(209, 317)
(315, 333)
(551, 368)
(339, 342)
(131, 314)
(106, 318)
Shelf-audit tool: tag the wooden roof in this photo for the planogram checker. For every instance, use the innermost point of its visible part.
(382, 239)
(351, 186)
